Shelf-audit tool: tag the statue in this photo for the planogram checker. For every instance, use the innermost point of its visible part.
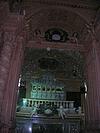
(37, 35)
(74, 38)
(91, 29)
(34, 110)
(61, 112)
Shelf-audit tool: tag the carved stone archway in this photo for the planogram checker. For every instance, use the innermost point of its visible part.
(12, 53)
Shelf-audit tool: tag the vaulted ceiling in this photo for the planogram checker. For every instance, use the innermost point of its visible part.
(70, 15)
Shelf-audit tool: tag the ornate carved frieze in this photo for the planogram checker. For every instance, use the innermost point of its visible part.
(76, 4)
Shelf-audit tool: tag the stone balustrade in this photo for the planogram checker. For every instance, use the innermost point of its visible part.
(32, 102)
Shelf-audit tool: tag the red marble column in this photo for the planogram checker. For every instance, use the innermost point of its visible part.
(5, 58)
(92, 103)
(3, 15)
(5, 64)
(10, 94)
(10, 57)
(16, 68)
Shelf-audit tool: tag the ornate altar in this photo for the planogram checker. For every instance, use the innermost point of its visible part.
(47, 107)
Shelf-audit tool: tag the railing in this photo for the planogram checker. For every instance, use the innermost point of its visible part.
(51, 108)
(68, 124)
(32, 102)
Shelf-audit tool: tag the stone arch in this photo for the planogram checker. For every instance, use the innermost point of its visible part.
(53, 7)
(36, 18)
